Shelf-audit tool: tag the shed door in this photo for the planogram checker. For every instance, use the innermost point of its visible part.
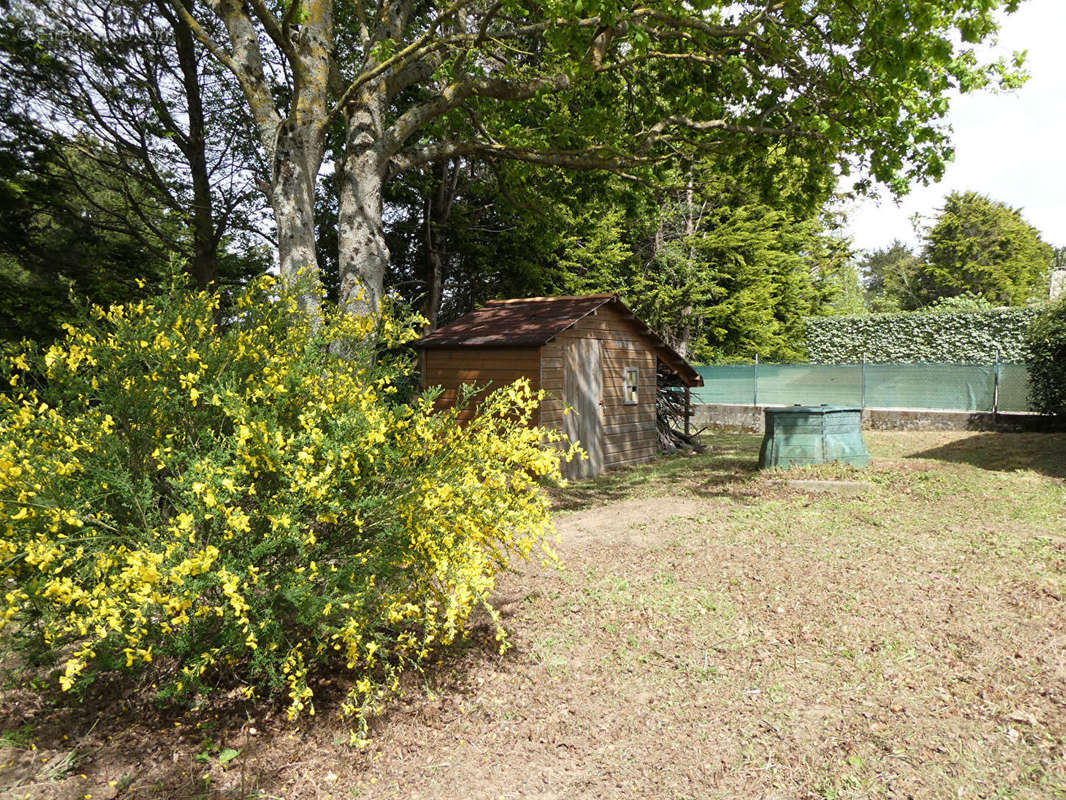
(583, 391)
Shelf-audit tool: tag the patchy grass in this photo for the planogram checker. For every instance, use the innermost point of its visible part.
(715, 632)
(730, 459)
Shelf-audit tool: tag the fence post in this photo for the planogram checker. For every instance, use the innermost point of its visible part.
(755, 398)
(862, 397)
(995, 385)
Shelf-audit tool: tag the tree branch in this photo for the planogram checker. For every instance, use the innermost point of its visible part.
(397, 60)
(486, 20)
(575, 159)
(657, 132)
(246, 63)
(457, 93)
(276, 32)
(205, 38)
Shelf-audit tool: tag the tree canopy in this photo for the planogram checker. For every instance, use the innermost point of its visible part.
(981, 246)
(719, 265)
(888, 275)
(861, 84)
(976, 254)
(394, 141)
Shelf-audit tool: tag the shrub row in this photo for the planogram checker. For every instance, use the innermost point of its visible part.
(1047, 364)
(910, 338)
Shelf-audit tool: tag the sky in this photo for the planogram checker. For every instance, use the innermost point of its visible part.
(1009, 146)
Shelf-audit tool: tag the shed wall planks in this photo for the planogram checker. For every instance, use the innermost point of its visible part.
(622, 346)
(583, 366)
(491, 367)
(583, 388)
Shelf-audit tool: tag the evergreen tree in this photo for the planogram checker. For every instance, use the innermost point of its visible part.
(984, 247)
(889, 276)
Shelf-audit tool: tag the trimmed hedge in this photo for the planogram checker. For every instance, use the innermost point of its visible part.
(972, 337)
(1047, 362)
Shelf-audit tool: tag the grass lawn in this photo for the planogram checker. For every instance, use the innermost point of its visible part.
(715, 632)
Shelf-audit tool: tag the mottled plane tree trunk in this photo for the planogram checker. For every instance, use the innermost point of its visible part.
(295, 163)
(291, 133)
(363, 254)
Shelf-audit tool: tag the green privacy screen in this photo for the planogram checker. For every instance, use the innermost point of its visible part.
(959, 387)
(1013, 387)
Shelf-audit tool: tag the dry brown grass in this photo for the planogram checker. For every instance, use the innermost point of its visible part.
(715, 633)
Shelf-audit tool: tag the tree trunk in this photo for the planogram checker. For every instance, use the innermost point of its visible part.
(434, 280)
(690, 232)
(203, 266)
(296, 161)
(438, 210)
(363, 253)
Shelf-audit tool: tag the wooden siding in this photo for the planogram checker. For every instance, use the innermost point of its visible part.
(629, 432)
(583, 388)
(450, 368)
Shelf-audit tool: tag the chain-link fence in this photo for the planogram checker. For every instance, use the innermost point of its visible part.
(959, 387)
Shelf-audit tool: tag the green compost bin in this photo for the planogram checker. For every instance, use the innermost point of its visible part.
(800, 435)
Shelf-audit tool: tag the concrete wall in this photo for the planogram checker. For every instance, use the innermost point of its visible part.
(750, 418)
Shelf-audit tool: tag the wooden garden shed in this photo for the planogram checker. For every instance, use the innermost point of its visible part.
(589, 352)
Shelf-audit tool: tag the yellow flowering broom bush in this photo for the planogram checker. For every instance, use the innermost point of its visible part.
(240, 506)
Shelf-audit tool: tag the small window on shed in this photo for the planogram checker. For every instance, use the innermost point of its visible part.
(632, 381)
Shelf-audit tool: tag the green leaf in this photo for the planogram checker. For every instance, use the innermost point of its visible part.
(228, 755)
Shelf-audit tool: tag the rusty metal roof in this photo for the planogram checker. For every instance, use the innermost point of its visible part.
(535, 321)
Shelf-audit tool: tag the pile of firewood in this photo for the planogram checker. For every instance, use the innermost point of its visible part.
(670, 412)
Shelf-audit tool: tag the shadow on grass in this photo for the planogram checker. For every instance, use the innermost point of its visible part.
(730, 462)
(1006, 452)
(115, 733)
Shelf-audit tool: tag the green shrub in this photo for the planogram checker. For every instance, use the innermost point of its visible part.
(956, 337)
(1047, 361)
(241, 507)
